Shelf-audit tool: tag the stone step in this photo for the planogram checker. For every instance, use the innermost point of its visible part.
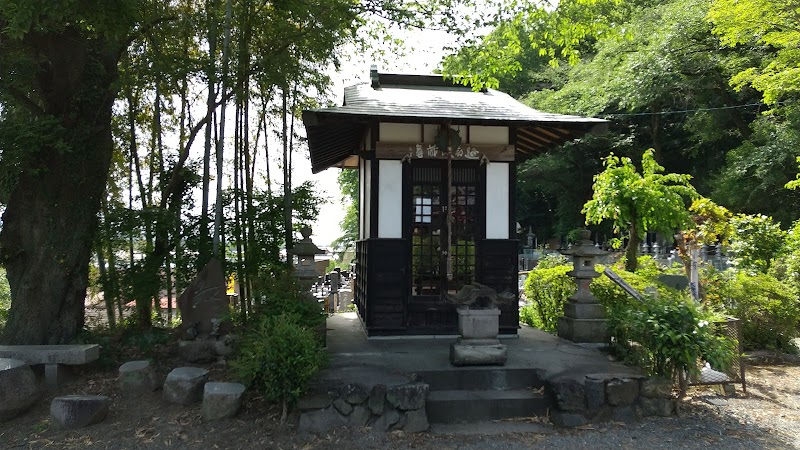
(453, 406)
(481, 378)
(492, 428)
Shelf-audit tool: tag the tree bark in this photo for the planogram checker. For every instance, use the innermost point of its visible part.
(51, 216)
(631, 251)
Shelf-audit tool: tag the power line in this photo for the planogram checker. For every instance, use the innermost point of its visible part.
(684, 111)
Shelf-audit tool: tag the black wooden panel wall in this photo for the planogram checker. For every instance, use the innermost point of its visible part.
(386, 286)
(497, 268)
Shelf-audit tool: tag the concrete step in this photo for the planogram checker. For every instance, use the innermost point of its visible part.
(453, 406)
(493, 428)
(481, 378)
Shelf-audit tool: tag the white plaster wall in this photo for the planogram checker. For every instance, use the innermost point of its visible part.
(390, 199)
(479, 134)
(400, 132)
(497, 200)
(367, 198)
(430, 133)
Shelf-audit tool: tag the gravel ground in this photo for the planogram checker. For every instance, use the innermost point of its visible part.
(767, 416)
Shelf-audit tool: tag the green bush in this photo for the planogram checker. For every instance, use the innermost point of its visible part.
(757, 240)
(278, 357)
(550, 260)
(786, 268)
(283, 295)
(767, 308)
(663, 334)
(547, 289)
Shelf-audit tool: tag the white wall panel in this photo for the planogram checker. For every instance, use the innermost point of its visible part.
(479, 134)
(400, 132)
(390, 199)
(497, 200)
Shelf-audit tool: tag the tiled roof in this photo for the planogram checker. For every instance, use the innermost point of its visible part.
(334, 132)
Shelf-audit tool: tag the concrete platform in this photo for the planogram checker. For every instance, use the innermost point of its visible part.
(548, 355)
(531, 383)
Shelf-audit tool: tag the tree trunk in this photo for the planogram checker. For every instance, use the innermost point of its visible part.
(204, 247)
(51, 216)
(631, 251)
(216, 250)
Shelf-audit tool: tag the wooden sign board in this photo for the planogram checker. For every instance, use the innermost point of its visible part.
(466, 152)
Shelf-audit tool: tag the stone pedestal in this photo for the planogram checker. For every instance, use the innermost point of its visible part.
(584, 317)
(478, 344)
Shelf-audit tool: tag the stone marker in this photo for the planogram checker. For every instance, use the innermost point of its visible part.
(184, 385)
(205, 299)
(18, 390)
(77, 411)
(679, 282)
(137, 377)
(221, 400)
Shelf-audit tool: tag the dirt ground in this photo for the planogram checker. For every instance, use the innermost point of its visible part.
(767, 416)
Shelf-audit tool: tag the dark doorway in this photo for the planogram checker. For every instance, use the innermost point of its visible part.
(442, 253)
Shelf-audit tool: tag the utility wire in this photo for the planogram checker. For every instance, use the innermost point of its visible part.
(663, 113)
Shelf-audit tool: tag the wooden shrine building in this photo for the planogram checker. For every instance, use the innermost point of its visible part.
(437, 168)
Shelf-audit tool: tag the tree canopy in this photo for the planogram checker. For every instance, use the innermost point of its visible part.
(639, 202)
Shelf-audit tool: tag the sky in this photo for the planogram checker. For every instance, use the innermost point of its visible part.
(423, 54)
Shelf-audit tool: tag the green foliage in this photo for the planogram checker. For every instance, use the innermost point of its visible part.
(551, 260)
(786, 267)
(348, 183)
(639, 202)
(547, 289)
(664, 334)
(550, 202)
(536, 34)
(282, 294)
(756, 241)
(772, 23)
(754, 173)
(768, 308)
(278, 357)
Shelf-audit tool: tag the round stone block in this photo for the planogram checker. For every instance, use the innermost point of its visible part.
(18, 388)
(137, 377)
(77, 411)
(221, 400)
(184, 385)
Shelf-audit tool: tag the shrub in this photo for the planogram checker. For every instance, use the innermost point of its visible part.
(767, 308)
(278, 357)
(787, 267)
(663, 334)
(283, 295)
(550, 260)
(756, 241)
(547, 289)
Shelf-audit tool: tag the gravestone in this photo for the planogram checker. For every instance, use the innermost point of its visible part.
(679, 282)
(204, 303)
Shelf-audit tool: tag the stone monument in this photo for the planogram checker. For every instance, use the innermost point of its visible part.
(584, 316)
(205, 315)
(478, 326)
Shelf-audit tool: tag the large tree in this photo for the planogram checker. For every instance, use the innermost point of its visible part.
(59, 78)
(58, 72)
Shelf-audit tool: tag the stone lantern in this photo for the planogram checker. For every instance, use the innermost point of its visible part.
(584, 316)
(305, 250)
